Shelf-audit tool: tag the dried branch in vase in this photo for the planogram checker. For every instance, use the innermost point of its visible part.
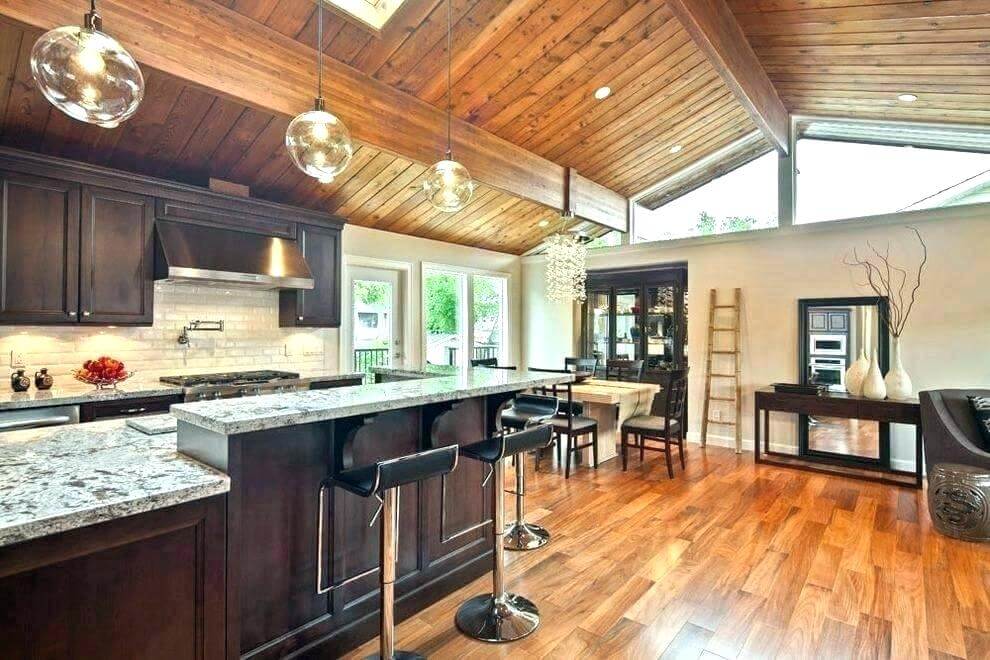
(890, 282)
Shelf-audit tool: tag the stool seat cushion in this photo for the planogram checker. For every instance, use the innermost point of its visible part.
(360, 481)
(648, 424)
(500, 446)
(579, 424)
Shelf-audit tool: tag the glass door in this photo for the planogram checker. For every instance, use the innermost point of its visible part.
(597, 333)
(375, 318)
(444, 294)
(489, 317)
(628, 329)
(661, 327)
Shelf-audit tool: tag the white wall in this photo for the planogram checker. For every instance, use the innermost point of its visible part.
(376, 244)
(944, 345)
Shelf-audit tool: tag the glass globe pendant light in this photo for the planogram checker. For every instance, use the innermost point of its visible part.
(87, 74)
(448, 185)
(318, 142)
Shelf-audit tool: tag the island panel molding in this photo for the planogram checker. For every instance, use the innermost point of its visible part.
(194, 40)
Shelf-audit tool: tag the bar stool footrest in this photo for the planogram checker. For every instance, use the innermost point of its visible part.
(485, 619)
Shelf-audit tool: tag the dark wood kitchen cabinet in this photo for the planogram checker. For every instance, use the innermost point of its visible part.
(116, 257)
(150, 586)
(75, 254)
(39, 244)
(318, 307)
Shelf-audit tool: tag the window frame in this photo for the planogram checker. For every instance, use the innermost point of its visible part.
(787, 195)
(467, 308)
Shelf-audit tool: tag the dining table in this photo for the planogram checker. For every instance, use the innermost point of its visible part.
(612, 402)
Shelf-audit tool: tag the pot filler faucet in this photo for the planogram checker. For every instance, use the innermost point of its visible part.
(199, 326)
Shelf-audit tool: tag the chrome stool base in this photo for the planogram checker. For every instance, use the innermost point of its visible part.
(398, 655)
(525, 536)
(510, 618)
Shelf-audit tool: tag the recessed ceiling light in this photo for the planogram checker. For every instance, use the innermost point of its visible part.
(603, 93)
(544, 223)
(676, 148)
(907, 98)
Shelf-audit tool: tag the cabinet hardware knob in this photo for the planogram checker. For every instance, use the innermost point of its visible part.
(85, 313)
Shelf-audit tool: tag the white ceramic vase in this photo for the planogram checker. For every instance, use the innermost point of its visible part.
(873, 385)
(856, 373)
(897, 380)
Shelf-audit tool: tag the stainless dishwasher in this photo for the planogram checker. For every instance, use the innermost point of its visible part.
(33, 418)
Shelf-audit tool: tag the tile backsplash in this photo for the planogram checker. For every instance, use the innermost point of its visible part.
(251, 338)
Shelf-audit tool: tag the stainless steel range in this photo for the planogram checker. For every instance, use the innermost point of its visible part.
(200, 387)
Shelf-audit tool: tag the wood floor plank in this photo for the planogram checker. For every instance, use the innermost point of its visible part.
(728, 560)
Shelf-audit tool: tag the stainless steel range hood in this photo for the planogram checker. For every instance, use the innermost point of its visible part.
(207, 255)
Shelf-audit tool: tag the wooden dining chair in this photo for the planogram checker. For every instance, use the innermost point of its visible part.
(579, 364)
(665, 424)
(627, 370)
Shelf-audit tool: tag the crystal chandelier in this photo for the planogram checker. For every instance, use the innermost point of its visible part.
(448, 185)
(567, 255)
(87, 74)
(318, 142)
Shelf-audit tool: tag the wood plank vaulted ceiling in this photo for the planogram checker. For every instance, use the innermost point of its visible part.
(526, 71)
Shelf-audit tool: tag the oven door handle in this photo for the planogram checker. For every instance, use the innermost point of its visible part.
(35, 423)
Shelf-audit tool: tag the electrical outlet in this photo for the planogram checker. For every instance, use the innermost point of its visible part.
(17, 359)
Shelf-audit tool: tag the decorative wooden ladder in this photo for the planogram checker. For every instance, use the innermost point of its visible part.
(736, 355)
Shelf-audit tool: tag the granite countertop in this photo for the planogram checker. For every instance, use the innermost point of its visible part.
(68, 391)
(56, 479)
(270, 411)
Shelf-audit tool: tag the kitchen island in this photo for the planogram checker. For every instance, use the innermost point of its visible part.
(111, 546)
(279, 449)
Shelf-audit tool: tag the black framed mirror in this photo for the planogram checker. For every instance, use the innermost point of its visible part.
(833, 334)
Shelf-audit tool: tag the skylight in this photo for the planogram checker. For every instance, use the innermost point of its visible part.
(370, 13)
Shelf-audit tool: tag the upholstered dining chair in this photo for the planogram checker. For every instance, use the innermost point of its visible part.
(665, 424)
(571, 424)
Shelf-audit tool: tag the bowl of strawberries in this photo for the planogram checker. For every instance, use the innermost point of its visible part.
(103, 372)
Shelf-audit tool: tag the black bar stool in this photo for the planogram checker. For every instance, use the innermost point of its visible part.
(527, 410)
(382, 480)
(501, 616)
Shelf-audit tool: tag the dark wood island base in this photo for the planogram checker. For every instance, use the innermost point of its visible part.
(273, 523)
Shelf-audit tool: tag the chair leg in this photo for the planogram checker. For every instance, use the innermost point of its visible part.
(642, 449)
(625, 444)
(594, 447)
(556, 446)
(680, 451)
(536, 460)
(670, 465)
(567, 459)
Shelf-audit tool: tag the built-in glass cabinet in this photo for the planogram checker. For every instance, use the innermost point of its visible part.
(637, 314)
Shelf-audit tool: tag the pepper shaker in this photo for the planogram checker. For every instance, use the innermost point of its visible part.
(19, 382)
(43, 380)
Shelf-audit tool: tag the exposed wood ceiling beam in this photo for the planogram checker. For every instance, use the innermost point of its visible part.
(207, 44)
(714, 29)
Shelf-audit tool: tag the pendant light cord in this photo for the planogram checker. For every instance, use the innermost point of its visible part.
(319, 49)
(449, 104)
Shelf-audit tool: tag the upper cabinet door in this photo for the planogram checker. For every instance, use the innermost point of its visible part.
(39, 250)
(116, 273)
(319, 306)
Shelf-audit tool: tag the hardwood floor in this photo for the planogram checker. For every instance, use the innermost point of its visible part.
(729, 560)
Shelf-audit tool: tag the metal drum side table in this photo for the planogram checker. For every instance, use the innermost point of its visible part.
(959, 501)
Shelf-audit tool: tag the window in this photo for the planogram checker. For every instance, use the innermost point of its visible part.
(740, 200)
(837, 180)
(489, 317)
(443, 314)
(610, 239)
(447, 315)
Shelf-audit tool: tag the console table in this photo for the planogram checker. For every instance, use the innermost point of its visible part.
(836, 405)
